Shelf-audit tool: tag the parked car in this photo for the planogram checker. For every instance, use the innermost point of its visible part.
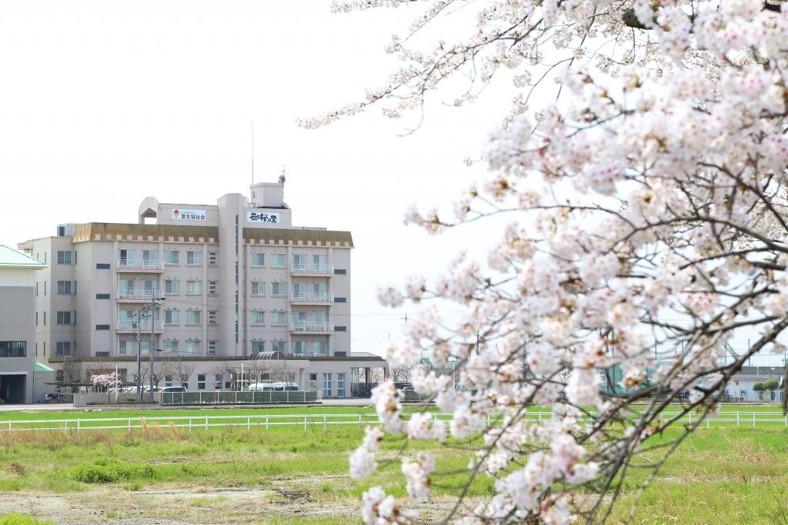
(173, 389)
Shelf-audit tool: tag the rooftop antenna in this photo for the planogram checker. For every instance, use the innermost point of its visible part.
(252, 152)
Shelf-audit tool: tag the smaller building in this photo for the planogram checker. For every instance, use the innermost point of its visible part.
(17, 326)
(742, 384)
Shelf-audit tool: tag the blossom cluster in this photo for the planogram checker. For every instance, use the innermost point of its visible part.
(648, 231)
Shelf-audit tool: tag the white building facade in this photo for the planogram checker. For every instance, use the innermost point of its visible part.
(208, 287)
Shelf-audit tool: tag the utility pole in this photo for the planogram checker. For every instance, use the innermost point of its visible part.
(136, 320)
(153, 306)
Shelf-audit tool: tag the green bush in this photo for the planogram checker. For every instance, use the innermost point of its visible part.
(110, 471)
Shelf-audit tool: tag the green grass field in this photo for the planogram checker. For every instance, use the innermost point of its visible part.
(288, 475)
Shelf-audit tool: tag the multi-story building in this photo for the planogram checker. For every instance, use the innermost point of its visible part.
(17, 330)
(201, 284)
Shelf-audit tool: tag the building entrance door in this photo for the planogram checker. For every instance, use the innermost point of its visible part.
(12, 388)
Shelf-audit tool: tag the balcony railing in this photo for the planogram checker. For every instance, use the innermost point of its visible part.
(312, 297)
(131, 293)
(140, 264)
(127, 325)
(311, 268)
(309, 326)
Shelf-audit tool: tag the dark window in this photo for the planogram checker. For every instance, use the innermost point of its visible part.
(338, 328)
(64, 257)
(13, 348)
(102, 354)
(340, 271)
(340, 299)
(63, 348)
(340, 354)
(64, 318)
(102, 296)
(102, 327)
(200, 381)
(102, 266)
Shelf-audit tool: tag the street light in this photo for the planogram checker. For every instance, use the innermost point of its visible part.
(153, 307)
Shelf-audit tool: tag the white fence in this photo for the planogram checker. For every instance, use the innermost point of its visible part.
(307, 421)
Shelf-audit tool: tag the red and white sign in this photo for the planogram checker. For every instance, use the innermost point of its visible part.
(184, 214)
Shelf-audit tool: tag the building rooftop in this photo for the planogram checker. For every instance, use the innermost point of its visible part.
(10, 258)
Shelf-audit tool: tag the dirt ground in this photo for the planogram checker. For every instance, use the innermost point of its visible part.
(186, 505)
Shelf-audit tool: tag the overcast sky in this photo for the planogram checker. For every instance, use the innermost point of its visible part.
(103, 103)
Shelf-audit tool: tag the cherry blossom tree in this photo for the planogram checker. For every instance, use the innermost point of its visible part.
(106, 381)
(647, 207)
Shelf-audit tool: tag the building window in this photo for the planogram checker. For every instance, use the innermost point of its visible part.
(103, 266)
(100, 327)
(340, 299)
(193, 347)
(150, 256)
(64, 318)
(45, 317)
(278, 260)
(13, 348)
(193, 287)
(211, 287)
(171, 317)
(193, 317)
(340, 385)
(278, 289)
(312, 381)
(319, 348)
(172, 256)
(278, 318)
(212, 317)
(172, 286)
(218, 382)
(320, 263)
(258, 346)
(193, 258)
(258, 288)
(340, 271)
(299, 261)
(257, 317)
(258, 259)
(278, 345)
(102, 296)
(326, 385)
(65, 287)
(200, 381)
(299, 290)
(211, 347)
(63, 348)
(167, 380)
(170, 345)
(64, 257)
(339, 328)
(299, 347)
(212, 258)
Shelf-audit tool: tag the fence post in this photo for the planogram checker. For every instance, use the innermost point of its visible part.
(304, 423)
(753, 420)
(738, 422)
(206, 422)
(689, 414)
(78, 424)
(325, 427)
(266, 422)
(708, 419)
(248, 422)
(539, 414)
(190, 424)
(359, 421)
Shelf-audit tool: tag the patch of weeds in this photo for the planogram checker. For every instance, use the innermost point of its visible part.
(133, 486)
(10, 485)
(107, 470)
(207, 502)
(19, 519)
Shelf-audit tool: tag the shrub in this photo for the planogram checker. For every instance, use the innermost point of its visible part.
(111, 471)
